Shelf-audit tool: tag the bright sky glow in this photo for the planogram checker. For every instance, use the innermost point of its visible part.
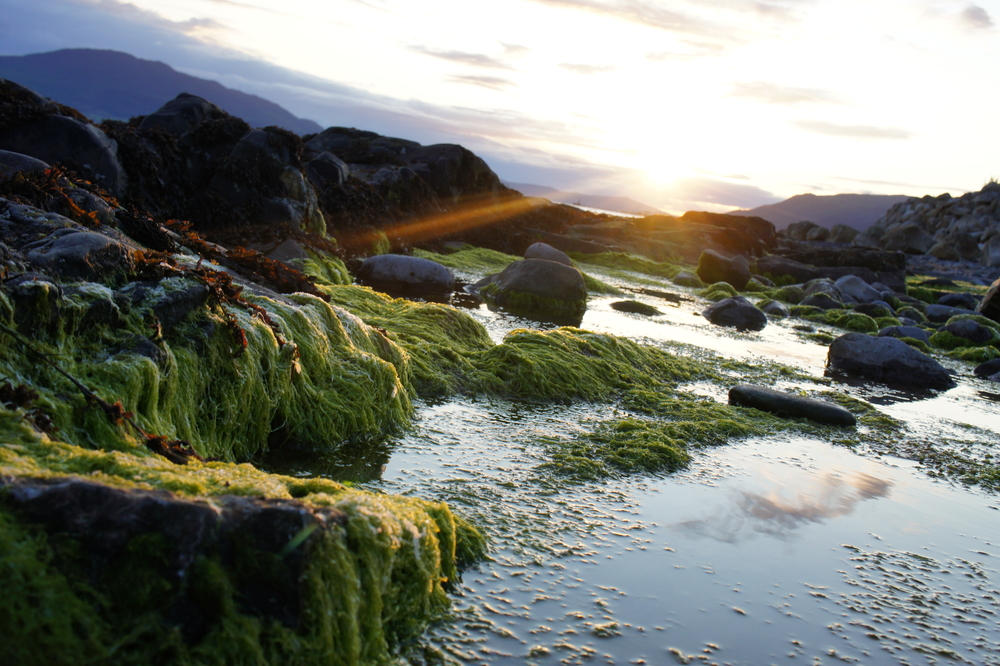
(681, 104)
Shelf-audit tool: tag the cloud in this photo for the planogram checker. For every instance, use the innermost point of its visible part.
(463, 57)
(974, 16)
(772, 93)
(689, 193)
(514, 50)
(492, 82)
(852, 131)
(694, 49)
(637, 11)
(587, 69)
(777, 515)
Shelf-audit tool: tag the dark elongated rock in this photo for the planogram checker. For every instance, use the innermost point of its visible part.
(914, 332)
(886, 360)
(636, 307)
(789, 405)
(736, 312)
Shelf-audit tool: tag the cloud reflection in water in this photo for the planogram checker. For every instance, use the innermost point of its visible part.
(776, 514)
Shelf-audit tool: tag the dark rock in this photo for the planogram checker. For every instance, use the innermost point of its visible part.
(36, 299)
(79, 254)
(823, 301)
(874, 310)
(988, 369)
(790, 406)
(14, 163)
(536, 288)
(909, 238)
(886, 360)
(405, 273)
(858, 289)
(182, 114)
(905, 332)
(939, 314)
(841, 233)
(714, 267)
(911, 312)
(548, 253)
(687, 279)
(171, 300)
(326, 169)
(990, 305)
(960, 300)
(736, 312)
(776, 309)
(970, 330)
(636, 307)
(801, 229)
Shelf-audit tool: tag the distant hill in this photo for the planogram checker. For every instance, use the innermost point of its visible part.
(855, 210)
(618, 204)
(114, 85)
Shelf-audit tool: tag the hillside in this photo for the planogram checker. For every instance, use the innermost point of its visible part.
(114, 85)
(856, 210)
(619, 204)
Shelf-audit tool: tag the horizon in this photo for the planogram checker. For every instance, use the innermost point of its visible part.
(765, 100)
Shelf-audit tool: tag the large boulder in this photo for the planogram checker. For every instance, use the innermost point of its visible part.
(548, 253)
(12, 164)
(857, 289)
(789, 405)
(537, 289)
(715, 267)
(841, 233)
(778, 266)
(800, 230)
(181, 115)
(913, 332)
(990, 305)
(736, 312)
(402, 273)
(908, 238)
(886, 360)
(939, 314)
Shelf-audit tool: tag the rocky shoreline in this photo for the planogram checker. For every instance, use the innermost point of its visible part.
(177, 298)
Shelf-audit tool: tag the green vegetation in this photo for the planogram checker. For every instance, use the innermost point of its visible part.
(718, 291)
(620, 261)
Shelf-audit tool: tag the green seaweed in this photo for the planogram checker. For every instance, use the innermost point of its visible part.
(975, 354)
(789, 294)
(326, 269)
(718, 291)
(627, 262)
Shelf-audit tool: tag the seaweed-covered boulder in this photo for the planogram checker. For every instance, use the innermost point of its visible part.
(398, 272)
(715, 267)
(875, 309)
(963, 333)
(636, 307)
(959, 300)
(822, 300)
(789, 405)
(548, 253)
(914, 332)
(886, 360)
(537, 288)
(736, 312)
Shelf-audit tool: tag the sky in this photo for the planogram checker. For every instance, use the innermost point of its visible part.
(680, 104)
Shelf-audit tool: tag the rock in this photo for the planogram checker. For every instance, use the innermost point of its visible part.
(800, 230)
(777, 266)
(13, 163)
(990, 305)
(636, 307)
(714, 267)
(790, 406)
(406, 274)
(841, 233)
(736, 312)
(956, 246)
(988, 369)
(970, 330)
(764, 281)
(905, 332)
(79, 254)
(886, 360)
(819, 234)
(181, 115)
(911, 312)
(326, 169)
(171, 300)
(858, 289)
(687, 279)
(991, 252)
(909, 238)
(960, 300)
(536, 288)
(776, 309)
(568, 243)
(822, 300)
(939, 314)
(875, 309)
(548, 253)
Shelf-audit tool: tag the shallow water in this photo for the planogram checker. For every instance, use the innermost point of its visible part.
(776, 550)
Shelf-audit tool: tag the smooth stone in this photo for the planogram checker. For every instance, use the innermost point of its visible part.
(715, 267)
(886, 360)
(822, 301)
(790, 406)
(939, 314)
(636, 307)
(988, 369)
(776, 309)
(736, 312)
(961, 300)
(402, 271)
(914, 332)
(858, 289)
(548, 253)
(970, 330)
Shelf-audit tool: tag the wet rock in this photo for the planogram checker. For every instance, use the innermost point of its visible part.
(988, 369)
(182, 114)
(886, 360)
(939, 314)
(875, 309)
(548, 253)
(407, 274)
(714, 267)
(36, 299)
(171, 300)
(858, 289)
(990, 305)
(790, 406)
(687, 279)
(537, 288)
(911, 312)
(905, 332)
(13, 163)
(636, 307)
(326, 169)
(79, 254)
(823, 301)
(776, 309)
(736, 312)
(970, 330)
(960, 300)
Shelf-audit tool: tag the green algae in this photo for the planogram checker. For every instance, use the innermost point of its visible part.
(636, 307)
(789, 294)
(755, 286)
(846, 319)
(975, 354)
(917, 344)
(534, 306)
(621, 261)
(326, 268)
(921, 293)
(718, 291)
(886, 322)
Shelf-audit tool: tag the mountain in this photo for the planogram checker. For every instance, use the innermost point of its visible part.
(616, 204)
(855, 210)
(114, 85)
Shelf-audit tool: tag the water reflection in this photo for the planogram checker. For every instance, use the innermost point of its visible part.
(774, 514)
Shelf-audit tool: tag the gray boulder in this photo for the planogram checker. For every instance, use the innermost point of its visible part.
(841, 233)
(908, 238)
(823, 301)
(13, 163)
(778, 266)
(736, 312)
(687, 279)
(990, 305)
(960, 300)
(537, 289)
(548, 253)
(326, 169)
(790, 406)
(939, 314)
(715, 267)
(776, 309)
(181, 114)
(914, 332)
(970, 330)
(404, 273)
(858, 289)
(886, 360)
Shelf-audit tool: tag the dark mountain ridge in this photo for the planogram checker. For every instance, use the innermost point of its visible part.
(117, 86)
(855, 210)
